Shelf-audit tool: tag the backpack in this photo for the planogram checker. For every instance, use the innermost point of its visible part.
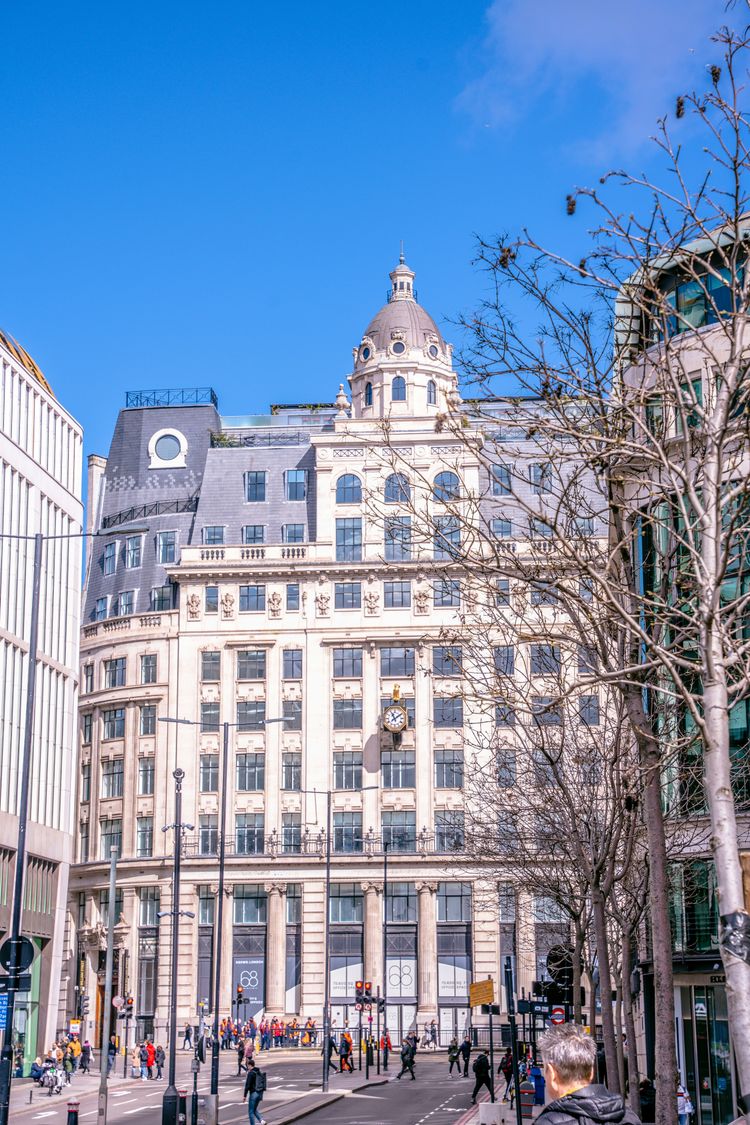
(260, 1082)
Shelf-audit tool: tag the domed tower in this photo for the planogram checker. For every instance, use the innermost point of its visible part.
(403, 366)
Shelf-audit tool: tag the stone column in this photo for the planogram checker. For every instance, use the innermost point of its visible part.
(276, 950)
(427, 952)
(226, 986)
(373, 934)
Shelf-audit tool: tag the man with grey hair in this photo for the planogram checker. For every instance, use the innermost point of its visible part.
(569, 1056)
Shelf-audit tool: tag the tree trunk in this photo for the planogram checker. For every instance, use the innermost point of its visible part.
(605, 990)
(618, 1038)
(578, 941)
(634, 1076)
(658, 901)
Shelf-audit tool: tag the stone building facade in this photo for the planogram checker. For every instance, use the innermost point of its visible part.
(273, 573)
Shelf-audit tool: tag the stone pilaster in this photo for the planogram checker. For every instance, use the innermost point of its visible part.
(373, 934)
(276, 950)
(427, 955)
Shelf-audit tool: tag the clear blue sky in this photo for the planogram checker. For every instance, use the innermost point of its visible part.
(214, 193)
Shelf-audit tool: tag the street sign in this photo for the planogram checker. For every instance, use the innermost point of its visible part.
(482, 992)
(524, 1007)
(118, 1001)
(3, 1010)
(74, 1027)
(539, 1008)
(557, 1015)
(490, 1009)
(26, 954)
(24, 984)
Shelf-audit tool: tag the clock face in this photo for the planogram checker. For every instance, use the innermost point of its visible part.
(395, 718)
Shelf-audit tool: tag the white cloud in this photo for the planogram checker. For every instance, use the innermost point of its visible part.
(638, 55)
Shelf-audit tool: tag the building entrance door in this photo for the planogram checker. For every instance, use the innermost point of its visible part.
(400, 1020)
(706, 1057)
(453, 1021)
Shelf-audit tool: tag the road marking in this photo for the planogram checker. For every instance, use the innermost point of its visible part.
(47, 1113)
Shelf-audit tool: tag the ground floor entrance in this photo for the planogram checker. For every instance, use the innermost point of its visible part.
(704, 1052)
(452, 1022)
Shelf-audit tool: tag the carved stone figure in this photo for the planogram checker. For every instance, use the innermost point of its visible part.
(372, 602)
(227, 604)
(274, 604)
(422, 601)
(322, 602)
(194, 607)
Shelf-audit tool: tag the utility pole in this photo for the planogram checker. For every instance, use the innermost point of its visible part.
(220, 919)
(107, 1010)
(326, 963)
(6, 1059)
(170, 1102)
(510, 998)
(385, 955)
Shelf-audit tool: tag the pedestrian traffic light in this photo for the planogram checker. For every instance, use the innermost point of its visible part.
(381, 1004)
(359, 994)
(368, 992)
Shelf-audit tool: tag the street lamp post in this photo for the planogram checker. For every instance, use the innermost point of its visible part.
(170, 1102)
(220, 911)
(327, 957)
(107, 1011)
(385, 954)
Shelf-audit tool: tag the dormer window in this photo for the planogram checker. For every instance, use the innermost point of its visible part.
(368, 394)
(431, 393)
(398, 386)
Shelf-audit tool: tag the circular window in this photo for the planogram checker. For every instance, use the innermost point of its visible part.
(399, 347)
(433, 351)
(365, 353)
(167, 447)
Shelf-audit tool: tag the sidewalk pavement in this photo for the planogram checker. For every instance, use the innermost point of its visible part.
(507, 1113)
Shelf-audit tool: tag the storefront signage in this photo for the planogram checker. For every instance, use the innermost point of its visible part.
(250, 973)
(3, 1010)
(481, 992)
(718, 979)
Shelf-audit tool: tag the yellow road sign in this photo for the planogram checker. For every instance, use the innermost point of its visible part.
(482, 992)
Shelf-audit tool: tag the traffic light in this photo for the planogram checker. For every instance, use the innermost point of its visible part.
(359, 995)
(129, 1008)
(381, 1004)
(240, 991)
(84, 1006)
(368, 991)
(200, 1049)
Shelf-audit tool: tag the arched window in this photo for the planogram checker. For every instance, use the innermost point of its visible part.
(431, 393)
(368, 394)
(397, 490)
(398, 389)
(348, 489)
(446, 487)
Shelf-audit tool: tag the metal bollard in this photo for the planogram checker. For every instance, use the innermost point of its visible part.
(182, 1107)
(73, 1112)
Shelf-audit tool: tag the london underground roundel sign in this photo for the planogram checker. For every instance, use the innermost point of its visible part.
(557, 1015)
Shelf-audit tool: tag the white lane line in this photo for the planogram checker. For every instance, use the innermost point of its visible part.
(47, 1113)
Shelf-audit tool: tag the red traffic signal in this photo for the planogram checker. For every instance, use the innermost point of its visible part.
(368, 990)
(240, 990)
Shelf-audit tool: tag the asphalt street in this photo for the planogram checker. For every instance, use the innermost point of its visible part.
(292, 1083)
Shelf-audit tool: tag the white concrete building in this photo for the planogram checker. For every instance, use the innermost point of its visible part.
(40, 491)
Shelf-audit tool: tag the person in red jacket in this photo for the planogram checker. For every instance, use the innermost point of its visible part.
(150, 1058)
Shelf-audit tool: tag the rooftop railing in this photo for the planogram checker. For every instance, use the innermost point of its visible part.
(172, 396)
(144, 511)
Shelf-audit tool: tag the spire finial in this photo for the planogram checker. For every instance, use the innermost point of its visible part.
(401, 258)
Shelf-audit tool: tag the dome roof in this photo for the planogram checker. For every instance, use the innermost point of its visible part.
(403, 314)
(22, 356)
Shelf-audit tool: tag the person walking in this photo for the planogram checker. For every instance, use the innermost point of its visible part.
(187, 1042)
(346, 1048)
(569, 1059)
(482, 1074)
(465, 1050)
(241, 1057)
(684, 1104)
(143, 1062)
(111, 1053)
(329, 1050)
(506, 1069)
(433, 1036)
(160, 1058)
(255, 1085)
(454, 1057)
(408, 1054)
(150, 1057)
(86, 1057)
(647, 1095)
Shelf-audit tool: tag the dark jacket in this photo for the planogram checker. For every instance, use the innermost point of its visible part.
(481, 1066)
(250, 1080)
(465, 1048)
(594, 1103)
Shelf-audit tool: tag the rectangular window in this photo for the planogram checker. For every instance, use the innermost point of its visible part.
(545, 660)
(296, 484)
(209, 718)
(104, 905)
(539, 529)
(588, 660)
(212, 599)
(114, 672)
(148, 719)
(88, 677)
(399, 769)
(148, 668)
(292, 664)
(161, 598)
(454, 902)
(401, 902)
(206, 906)
(213, 536)
(291, 833)
(251, 715)
(586, 590)
(505, 716)
(208, 778)
(253, 534)
(347, 769)
(347, 832)
(166, 547)
(449, 831)
(347, 714)
(502, 592)
(251, 664)
(449, 769)
(114, 723)
(544, 593)
(86, 729)
(208, 834)
(506, 767)
(86, 781)
(255, 487)
(150, 901)
(83, 842)
(100, 609)
(252, 599)
(347, 663)
(110, 835)
(400, 830)
(589, 710)
(397, 538)
(446, 593)
(251, 772)
(500, 480)
(348, 540)
(144, 839)
(347, 595)
(504, 659)
(545, 710)
(293, 533)
(448, 711)
(502, 529)
(210, 666)
(397, 661)
(291, 710)
(292, 595)
(397, 595)
(133, 552)
(291, 770)
(447, 540)
(541, 478)
(250, 905)
(582, 526)
(122, 604)
(110, 558)
(145, 777)
(112, 777)
(447, 660)
(347, 903)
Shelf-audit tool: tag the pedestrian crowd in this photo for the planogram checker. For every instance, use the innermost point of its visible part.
(66, 1057)
(268, 1034)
